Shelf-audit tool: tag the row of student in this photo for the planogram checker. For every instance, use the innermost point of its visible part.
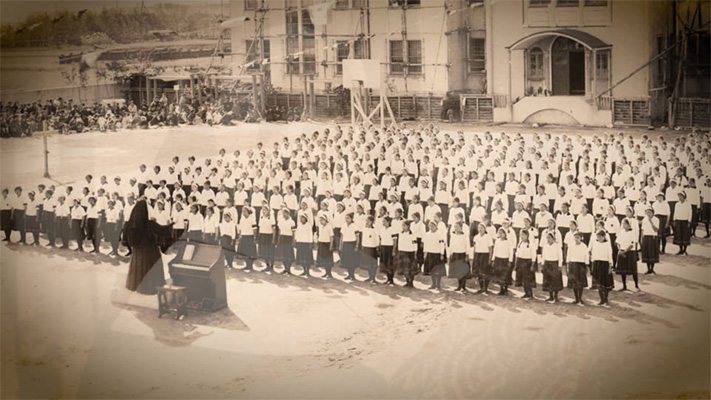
(408, 248)
(16, 209)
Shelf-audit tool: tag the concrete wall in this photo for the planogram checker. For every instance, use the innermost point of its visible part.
(424, 23)
(626, 25)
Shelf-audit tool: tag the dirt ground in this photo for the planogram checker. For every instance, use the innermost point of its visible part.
(70, 330)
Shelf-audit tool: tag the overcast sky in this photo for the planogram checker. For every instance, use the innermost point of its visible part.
(13, 11)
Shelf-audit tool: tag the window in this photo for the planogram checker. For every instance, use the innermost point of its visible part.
(595, 3)
(602, 65)
(568, 3)
(535, 63)
(250, 4)
(343, 52)
(253, 53)
(300, 42)
(398, 56)
(414, 57)
(699, 54)
(400, 3)
(539, 3)
(346, 4)
(476, 56)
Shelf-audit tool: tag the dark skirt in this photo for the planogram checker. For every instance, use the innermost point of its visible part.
(458, 266)
(626, 263)
(525, 273)
(650, 249)
(706, 213)
(227, 243)
(664, 229)
(145, 270)
(420, 254)
(304, 254)
(500, 267)
(47, 222)
(265, 247)
(349, 257)
(324, 254)
(247, 250)
(405, 263)
(577, 275)
(552, 277)
(434, 265)
(31, 224)
(285, 249)
(77, 230)
(6, 219)
(602, 274)
(682, 233)
(481, 267)
(18, 220)
(386, 260)
(369, 258)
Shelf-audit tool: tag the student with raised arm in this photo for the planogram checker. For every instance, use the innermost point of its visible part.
(650, 240)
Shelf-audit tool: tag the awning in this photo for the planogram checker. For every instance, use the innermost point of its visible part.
(589, 41)
(170, 78)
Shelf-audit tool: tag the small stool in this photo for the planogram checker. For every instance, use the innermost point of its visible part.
(172, 299)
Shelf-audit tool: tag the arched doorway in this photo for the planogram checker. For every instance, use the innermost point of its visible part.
(568, 68)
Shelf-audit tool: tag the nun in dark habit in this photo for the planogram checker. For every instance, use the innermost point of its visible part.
(145, 271)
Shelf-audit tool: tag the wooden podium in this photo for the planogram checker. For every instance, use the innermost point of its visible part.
(200, 268)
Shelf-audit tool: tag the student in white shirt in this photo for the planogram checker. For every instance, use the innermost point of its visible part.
(552, 257)
(285, 242)
(662, 212)
(387, 234)
(369, 242)
(682, 222)
(434, 247)
(227, 232)
(601, 265)
(31, 217)
(63, 221)
(195, 223)
(303, 237)
(110, 229)
(577, 260)
(502, 260)
(267, 238)
(209, 226)
(78, 221)
(246, 229)
(324, 253)
(457, 251)
(405, 258)
(482, 244)
(627, 254)
(650, 240)
(348, 246)
(525, 264)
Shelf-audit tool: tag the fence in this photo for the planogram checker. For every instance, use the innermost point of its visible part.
(477, 108)
(79, 94)
(693, 113)
(630, 112)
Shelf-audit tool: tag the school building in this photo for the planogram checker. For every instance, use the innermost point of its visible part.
(589, 62)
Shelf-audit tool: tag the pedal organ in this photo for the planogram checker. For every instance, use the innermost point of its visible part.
(201, 269)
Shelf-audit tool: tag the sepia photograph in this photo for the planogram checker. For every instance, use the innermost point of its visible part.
(355, 199)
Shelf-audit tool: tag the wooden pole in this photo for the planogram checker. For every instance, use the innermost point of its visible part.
(638, 69)
(46, 156)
